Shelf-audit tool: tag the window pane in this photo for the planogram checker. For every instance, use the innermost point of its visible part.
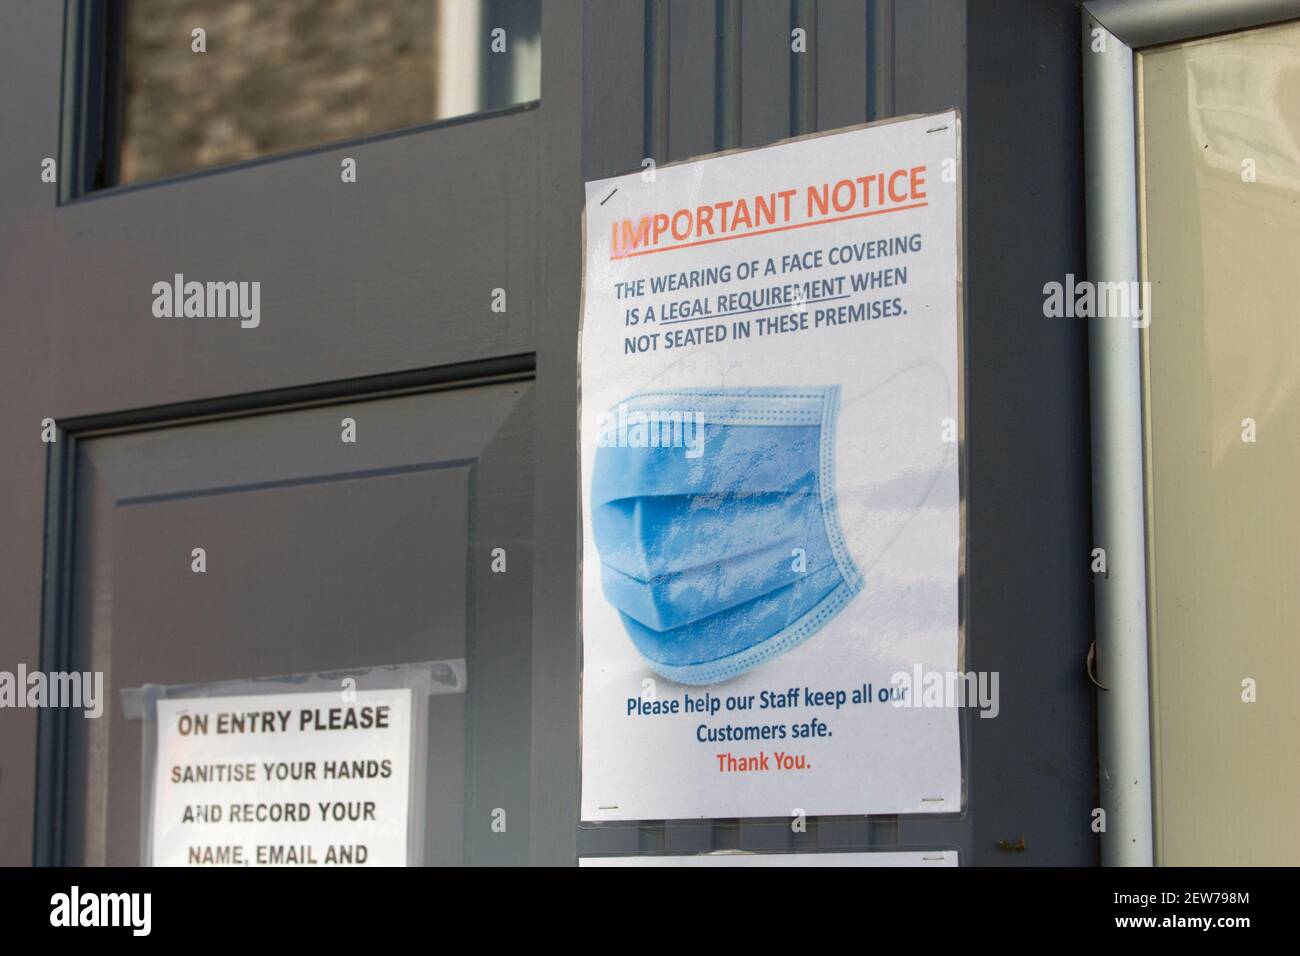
(1220, 120)
(281, 75)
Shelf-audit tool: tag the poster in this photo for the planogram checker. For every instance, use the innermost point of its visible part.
(770, 427)
(283, 780)
(871, 858)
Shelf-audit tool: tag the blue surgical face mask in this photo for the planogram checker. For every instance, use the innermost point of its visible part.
(714, 514)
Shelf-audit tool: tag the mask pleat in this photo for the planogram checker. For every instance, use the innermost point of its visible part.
(713, 545)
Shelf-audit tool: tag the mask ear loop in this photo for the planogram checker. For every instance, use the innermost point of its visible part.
(856, 519)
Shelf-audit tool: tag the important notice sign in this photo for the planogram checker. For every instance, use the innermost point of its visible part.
(285, 779)
(770, 424)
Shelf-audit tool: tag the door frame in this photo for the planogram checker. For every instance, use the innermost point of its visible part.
(1113, 31)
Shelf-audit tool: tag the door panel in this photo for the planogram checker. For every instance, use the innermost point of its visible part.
(843, 51)
(765, 63)
(395, 271)
(320, 555)
(692, 79)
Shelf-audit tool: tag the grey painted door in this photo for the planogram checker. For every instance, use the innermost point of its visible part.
(376, 303)
(319, 555)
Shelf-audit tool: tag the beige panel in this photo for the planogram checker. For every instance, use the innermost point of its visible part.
(1222, 255)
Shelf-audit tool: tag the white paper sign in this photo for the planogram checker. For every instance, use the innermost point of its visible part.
(873, 858)
(283, 779)
(770, 428)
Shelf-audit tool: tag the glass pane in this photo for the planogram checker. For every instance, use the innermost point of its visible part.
(1220, 134)
(271, 76)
